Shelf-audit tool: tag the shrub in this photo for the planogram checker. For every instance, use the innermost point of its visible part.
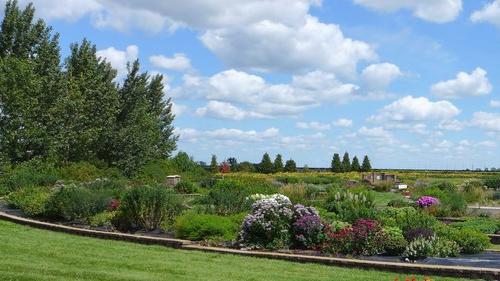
(406, 218)
(30, 200)
(484, 225)
(394, 241)
(226, 198)
(444, 248)
(186, 187)
(349, 206)
(147, 207)
(427, 201)
(268, 224)
(30, 173)
(76, 202)
(471, 241)
(419, 248)
(307, 228)
(399, 203)
(383, 187)
(419, 232)
(473, 190)
(492, 182)
(81, 171)
(365, 237)
(206, 227)
(104, 219)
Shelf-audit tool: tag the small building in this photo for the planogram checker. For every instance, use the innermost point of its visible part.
(379, 178)
(172, 180)
(401, 186)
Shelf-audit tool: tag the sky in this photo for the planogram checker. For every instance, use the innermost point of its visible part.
(411, 83)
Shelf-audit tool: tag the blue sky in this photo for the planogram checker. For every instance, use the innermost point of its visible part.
(413, 84)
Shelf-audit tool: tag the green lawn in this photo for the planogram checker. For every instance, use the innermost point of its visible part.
(382, 198)
(32, 254)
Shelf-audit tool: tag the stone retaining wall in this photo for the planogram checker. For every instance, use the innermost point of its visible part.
(406, 268)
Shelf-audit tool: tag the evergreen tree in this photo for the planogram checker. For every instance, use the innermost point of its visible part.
(278, 164)
(355, 164)
(336, 166)
(233, 163)
(214, 167)
(366, 166)
(290, 166)
(346, 163)
(30, 83)
(266, 166)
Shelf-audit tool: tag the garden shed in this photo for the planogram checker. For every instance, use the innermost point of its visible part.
(172, 180)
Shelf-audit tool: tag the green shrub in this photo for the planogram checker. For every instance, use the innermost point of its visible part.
(186, 187)
(473, 191)
(30, 200)
(492, 182)
(148, 207)
(406, 218)
(444, 248)
(484, 225)
(394, 242)
(400, 203)
(471, 241)
(206, 227)
(349, 206)
(76, 202)
(103, 219)
(81, 171)
(30, 173)
(230, 196)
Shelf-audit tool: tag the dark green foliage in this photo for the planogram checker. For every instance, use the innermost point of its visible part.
(28, 174)
(406, 218)
(75, 113)
(233, 163)
(77, 202)
(246, 167)
(366, 166)
(492, 182)
(214, 167)
(290, 166)
(471, 241)
(227, 197)
(206, 227)
(278, 164)
(346, 163)
(144, 129)
(394, 241)
(484, 225)
(266, 166)
(148, 207)
(336, 165)
(399, 203)
(355, 166)
(186, 186)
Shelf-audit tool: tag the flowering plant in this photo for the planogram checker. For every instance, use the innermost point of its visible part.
(113, 205)
(427, 201)
(308, 231)
(269, 222)
(365, 237)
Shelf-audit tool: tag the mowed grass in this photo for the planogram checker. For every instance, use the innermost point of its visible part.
(32, 254)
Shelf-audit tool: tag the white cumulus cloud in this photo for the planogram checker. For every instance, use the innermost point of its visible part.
(119, 59)
(343, 122)
(490, 13)
(486, 120)
(313, 125)
(473, 84)
(379, 76)
(416, 109)
(438, 11)
(178, 62)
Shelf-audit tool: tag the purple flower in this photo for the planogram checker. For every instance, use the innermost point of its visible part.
(426, 201)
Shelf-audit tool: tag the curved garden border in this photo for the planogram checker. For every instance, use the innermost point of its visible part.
(407, 268)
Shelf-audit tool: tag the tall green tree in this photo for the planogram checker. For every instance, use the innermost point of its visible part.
(346, 163)
(366, 166)
(290, 166)
(355, 166)
(30, 83)
(214, 167)
(278, 164)
(90, 107)
(336, 165)
(266, 166)
(143, 130)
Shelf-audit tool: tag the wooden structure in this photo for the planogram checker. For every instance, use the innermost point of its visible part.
(172, 180)
(379, 178)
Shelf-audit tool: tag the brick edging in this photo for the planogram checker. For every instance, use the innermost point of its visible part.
(407, 268)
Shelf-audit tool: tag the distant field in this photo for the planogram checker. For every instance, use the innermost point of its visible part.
(32, 254)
